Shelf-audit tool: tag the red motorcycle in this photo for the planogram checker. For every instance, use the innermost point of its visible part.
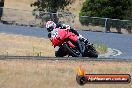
(66, 40)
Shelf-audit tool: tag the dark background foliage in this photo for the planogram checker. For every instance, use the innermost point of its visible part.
(115, 9)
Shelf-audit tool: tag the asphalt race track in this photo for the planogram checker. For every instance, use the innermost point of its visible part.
(61, 58)
(120, 45)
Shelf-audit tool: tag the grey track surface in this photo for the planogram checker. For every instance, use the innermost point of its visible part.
(64, 58)
(121, 42)
(21, 30)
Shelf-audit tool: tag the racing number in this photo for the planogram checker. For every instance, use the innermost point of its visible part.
(54, 33)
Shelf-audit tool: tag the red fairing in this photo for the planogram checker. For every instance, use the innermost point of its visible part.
(72, 36)
(59, 35)
(55, 42)
(71, 45)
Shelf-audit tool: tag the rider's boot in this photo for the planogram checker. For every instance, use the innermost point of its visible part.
(80, 47)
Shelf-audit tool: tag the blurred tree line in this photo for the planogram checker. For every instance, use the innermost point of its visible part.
(115, 9)
(51, 6)
(117, 12)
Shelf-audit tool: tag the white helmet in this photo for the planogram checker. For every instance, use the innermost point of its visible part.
(50, 25)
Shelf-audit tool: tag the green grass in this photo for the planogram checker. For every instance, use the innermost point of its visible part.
(101, 47)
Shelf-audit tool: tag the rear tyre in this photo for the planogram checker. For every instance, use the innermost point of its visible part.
(91, 51)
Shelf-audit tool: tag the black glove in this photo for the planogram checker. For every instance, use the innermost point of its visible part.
(49, 35)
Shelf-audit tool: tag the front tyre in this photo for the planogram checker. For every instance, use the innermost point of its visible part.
(60, 52)
(74, 52)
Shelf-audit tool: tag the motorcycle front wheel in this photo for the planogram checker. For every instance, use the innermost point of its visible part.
(74, 52)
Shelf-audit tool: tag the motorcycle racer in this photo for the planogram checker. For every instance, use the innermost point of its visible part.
(51, 26)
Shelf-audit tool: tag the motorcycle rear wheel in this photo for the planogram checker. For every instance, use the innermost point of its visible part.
(91, 51)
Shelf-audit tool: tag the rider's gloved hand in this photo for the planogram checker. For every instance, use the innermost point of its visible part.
(49, 35)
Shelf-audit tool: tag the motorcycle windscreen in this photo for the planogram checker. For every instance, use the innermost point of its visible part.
(64, 34)
(55, 41)
(58, 36)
